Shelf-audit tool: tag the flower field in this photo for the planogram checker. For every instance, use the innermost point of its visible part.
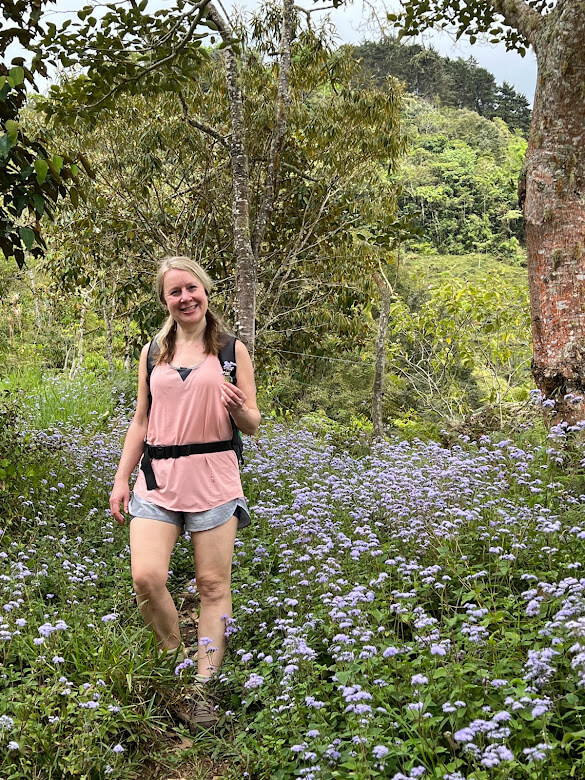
(402, 610)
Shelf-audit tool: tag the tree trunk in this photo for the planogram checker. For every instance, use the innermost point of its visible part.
(77, 360)
(554, 209)
(279, 129)
(245, 260)
(378, 385)
(33, 287)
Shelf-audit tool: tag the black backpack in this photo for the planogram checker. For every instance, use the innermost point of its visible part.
(227, 359)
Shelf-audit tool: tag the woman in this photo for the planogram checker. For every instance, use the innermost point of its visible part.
(186, 400)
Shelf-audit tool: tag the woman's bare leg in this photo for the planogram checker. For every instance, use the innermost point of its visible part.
(151, 545)
(213, 552)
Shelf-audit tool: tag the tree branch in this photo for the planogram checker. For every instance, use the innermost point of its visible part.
(200, 7)
(199, 124)
(299, 172)
(519, 15)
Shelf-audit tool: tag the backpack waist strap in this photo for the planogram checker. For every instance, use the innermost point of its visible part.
(176, 451)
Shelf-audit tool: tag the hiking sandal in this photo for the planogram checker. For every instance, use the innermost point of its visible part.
(205, 715)
(193, 709)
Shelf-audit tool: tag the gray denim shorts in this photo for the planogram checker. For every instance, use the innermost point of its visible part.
(192, 521)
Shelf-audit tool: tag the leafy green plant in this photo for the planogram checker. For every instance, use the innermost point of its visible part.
(463, 347)
(32, 180)
(399, 607)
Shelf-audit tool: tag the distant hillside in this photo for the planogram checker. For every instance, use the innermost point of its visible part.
(457, 83)
(459, 181)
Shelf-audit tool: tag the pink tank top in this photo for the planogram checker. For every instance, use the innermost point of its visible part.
(190, 411)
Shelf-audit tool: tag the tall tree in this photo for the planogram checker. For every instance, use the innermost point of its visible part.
(132, 50)
(513, 108)
(554, 193)
(163, 181)
(246, 261)
(272, 66)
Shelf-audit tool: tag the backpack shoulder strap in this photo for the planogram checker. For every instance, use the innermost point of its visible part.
(227, 358)
(151, 357)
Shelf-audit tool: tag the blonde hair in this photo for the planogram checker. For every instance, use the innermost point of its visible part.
(215, 329)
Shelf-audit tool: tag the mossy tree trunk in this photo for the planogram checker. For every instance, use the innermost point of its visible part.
(554, 209)
(554, 190)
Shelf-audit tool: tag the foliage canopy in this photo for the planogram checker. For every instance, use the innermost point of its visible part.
(31, 178)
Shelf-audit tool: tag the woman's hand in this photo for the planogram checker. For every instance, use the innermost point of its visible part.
(120, 495)
(233, 398)
(240, 399)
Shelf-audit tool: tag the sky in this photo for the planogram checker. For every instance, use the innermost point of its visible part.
(353, 26)
(518, 71)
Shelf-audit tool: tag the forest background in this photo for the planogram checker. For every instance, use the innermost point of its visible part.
(398, 161)
(405, 606)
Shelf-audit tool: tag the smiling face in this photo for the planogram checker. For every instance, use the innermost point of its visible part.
(184, 297)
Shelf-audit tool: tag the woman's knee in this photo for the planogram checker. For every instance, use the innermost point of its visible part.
(213, 587)
(148, 580)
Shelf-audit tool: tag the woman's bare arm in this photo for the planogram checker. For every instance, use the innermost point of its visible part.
(133, 445)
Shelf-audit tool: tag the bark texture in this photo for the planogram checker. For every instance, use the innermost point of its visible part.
(127, 345)
(279, 129)
(109, 346)
(554, 207)
(33, 287)
(519, 15)
(245, 260)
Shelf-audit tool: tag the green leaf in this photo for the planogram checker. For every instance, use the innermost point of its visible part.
(5, 145)
(16, 75)
(39, 202)
(12, 129)
(28, 236)
(58, 162)
(41, 169)
(569, 737)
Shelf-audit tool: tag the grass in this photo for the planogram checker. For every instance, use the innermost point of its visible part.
(402, 611)
(48, 400)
